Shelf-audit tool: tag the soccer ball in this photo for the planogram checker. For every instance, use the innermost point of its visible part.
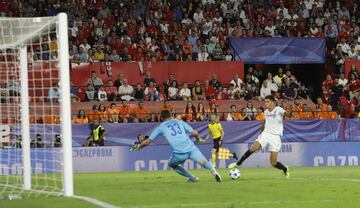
(234, 173)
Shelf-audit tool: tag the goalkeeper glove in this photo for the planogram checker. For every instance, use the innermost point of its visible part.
(135, 147)
(200, 139)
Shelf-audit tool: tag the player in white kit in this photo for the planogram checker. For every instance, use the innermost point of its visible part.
(270, 134)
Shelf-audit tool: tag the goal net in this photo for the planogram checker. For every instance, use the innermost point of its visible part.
(35, 113)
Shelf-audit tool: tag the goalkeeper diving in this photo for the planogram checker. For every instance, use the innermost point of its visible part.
(183, 148)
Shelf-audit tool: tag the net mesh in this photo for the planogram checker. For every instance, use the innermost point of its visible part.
(40, 37)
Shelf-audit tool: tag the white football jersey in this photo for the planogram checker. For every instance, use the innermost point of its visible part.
(274, 121)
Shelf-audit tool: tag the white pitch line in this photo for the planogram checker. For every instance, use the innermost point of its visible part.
(325, 179)
(95, 202)
(237, 203)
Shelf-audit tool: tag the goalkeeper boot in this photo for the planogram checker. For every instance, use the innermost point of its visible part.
(232, 165)
(235, 156)
(217, 178)
(193, 180)
(287, 173)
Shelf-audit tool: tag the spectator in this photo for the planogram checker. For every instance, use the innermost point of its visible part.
(185, 92)
(113, 57)
(149, 79)
(234, 115)
(203, 54)
(197, 91)
(250, 110)
(82, 56)
(271, 83)
(94, 81)
(213, 109)
(264, 91)
(260, 114)
(56, 141)
(126, 91)
(209, 90)
(119, 80)
(37, 142)
(254, 78)
(125, 112)
(102, 95)
(13, 86)
(303, 92)
(103, 114)
(173, 91)
(289, 91)
(353, 70)
(168, 83)
(245, 115)
(189, 112)
(237, 82)
(113, 113)
(81, 94)
(151, 92)
(81, 118)
(111, 91)
(90, 93)
(279, 77)
(326, 85)
(342, 80)
(93, 115)
(215, 83)
(54, 93)
(336, 92)
(142, 114)
(139, 93)
(201, 113)
(354, 87)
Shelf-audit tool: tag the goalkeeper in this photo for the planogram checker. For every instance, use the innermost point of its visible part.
(183, 148)
(217, 132)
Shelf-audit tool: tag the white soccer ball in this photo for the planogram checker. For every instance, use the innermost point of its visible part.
(234, 173)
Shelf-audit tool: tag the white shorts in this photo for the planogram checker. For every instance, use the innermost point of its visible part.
(272, 141)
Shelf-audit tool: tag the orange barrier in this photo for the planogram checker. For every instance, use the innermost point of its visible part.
(183, 71)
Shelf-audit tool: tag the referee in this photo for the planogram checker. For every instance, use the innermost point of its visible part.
(217, 133)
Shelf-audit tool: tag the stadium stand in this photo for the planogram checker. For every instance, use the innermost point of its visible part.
(126, 40)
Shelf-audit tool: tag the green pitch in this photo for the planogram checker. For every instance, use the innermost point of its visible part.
(258, 187)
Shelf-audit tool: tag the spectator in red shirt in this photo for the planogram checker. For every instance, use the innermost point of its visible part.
(209, 90)
(326, 85)
(354, 87)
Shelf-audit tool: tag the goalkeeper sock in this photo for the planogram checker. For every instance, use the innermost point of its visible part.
(213, 159)
(211, 168)
(280, 166)
(180, 170)
(245, 155)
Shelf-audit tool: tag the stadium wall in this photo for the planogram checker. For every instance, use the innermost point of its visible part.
(134, 71)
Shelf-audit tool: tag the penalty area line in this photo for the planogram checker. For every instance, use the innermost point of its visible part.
(236, 203)
(95, 202)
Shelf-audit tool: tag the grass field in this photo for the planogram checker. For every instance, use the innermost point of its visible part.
(258, 187)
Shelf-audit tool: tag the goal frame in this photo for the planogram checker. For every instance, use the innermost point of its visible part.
(65, 109)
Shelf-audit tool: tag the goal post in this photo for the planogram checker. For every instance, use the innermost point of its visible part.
(35, 107)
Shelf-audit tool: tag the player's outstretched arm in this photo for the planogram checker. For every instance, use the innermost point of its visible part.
(197, 136)
(143, 144)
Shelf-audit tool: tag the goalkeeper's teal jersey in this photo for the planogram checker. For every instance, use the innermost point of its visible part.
(176, 133)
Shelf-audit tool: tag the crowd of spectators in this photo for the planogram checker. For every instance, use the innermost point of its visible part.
(198, 30)
(184, 30)
(343, 94)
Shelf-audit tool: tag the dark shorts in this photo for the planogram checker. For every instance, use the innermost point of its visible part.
(217, 143)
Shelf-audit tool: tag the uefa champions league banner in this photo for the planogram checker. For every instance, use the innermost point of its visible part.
(155, 157)
(235, 132)
(279, 50)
